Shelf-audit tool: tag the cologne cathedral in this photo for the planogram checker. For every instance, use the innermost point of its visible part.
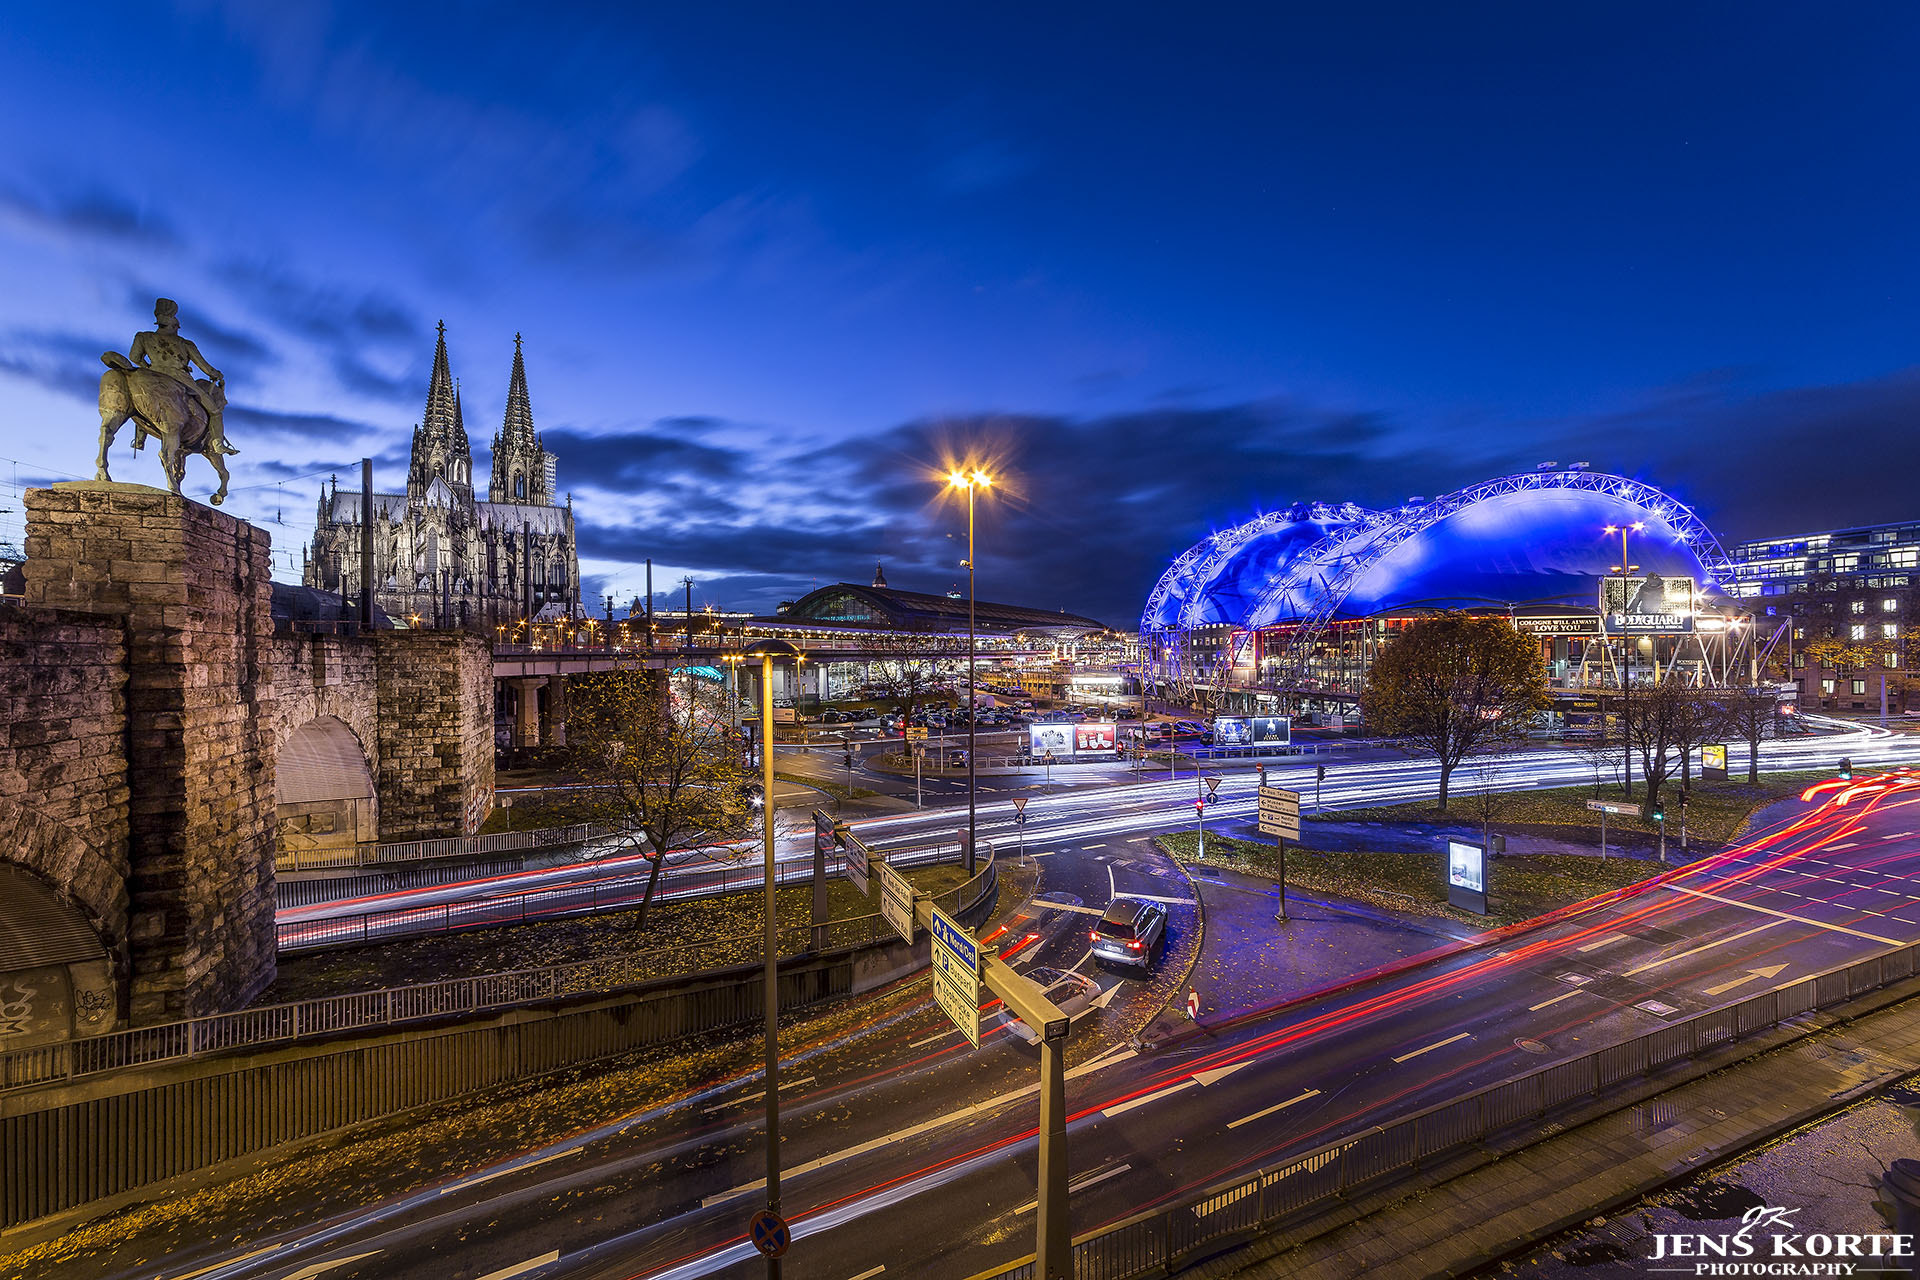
(441, 558)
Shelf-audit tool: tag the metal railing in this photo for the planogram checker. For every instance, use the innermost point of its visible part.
(620, 892)
(370, 855)
(1161, 1241)
(391, 1006)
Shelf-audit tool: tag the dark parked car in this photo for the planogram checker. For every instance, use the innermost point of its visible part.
(1132, 932)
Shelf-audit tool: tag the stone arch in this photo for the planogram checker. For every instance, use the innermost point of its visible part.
(324, 794)
(93, 881)
(57, 976)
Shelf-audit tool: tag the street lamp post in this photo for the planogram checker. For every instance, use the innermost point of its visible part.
(767, 651)
(1626, 655)
(970, 481)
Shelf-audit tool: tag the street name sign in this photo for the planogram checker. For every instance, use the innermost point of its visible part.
(1614, 806)
(857, 862)
(1280, 812)
(956, 974)
(896, 901)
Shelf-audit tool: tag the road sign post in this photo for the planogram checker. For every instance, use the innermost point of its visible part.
(1605, 807)
(1020, 825)
(1280, 818)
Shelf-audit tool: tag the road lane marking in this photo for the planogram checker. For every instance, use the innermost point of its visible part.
(189, 1275)
(1705, 946)
(1535, 1008)
(1148, 897)
(1080, 1184)
(321, 1268)
(1438, 1044)
(1221, 1073)
(755, 1097)
(521, 1268)
(1119, 1054)
(869, 1275)
(1607, 941)
(930, 1039)
(1771, 971)
(1144, 1099)
(1769, 911)
(500, 1173)
(1094, 846)
(1067, 906)
(1281, 1106)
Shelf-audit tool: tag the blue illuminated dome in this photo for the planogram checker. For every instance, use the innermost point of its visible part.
(1531, 540)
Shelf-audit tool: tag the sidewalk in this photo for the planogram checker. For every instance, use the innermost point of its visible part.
(1252, 961)
(1480, 1208)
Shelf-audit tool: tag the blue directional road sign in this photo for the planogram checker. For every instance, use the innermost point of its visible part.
(956, 974)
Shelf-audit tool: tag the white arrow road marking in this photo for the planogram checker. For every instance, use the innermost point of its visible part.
(1105, 998)
(1281, 1106)
(1771, 971)
(1221, 1073)
(1769, 911)
(1437, 1044)
(321, 1268)
(1705, 946)
(521, 1268)
(1080, 1183)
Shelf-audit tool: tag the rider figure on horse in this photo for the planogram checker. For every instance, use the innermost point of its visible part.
(165, 352)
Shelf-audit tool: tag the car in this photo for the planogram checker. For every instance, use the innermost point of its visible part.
(1193, 727)
(957, 758)
(1132, 932)
(1072, 993)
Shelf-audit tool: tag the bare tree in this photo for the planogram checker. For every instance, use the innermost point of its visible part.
(1750, 715)
(1452, 684)
(907, 665)
(662, 763)
(1662, 721)
(1604, 750)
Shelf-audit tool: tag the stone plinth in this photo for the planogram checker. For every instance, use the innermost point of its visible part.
(191, 588)
(435, 706)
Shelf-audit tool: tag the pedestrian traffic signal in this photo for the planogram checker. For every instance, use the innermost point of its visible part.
(1659, 812)
(1319, 773)
(1846, 768)
(847, 759)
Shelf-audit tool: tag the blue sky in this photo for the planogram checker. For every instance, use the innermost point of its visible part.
(1165, 266)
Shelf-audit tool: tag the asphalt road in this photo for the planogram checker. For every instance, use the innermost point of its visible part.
(907, 1153)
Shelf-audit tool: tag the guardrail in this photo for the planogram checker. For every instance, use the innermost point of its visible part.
(391, 1006)
(369, 855)
(1162, 1241)
(613, 894)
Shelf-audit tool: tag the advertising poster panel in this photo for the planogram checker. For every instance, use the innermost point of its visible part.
(1652, 605)
(1055, 738)
(1089, 739)
(1467, 876)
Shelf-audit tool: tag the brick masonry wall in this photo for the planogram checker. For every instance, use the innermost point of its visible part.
(63, 762)
(435, 772)
(193, 587)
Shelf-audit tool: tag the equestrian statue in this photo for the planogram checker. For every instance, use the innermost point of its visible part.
(153, 387)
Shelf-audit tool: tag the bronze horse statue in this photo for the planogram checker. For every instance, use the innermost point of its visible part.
(157, 406)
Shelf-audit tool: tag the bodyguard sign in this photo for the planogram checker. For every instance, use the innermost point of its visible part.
(956, 974)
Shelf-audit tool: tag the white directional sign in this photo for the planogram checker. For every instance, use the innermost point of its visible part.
(896, 901)
(1279, 812)
(1614, 806)
(956, 974)
(858, 862)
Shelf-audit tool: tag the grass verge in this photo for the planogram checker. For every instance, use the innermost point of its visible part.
(1716, 811)
(1521, 887)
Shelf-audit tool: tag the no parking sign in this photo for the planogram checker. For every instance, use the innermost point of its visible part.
(769, 1232)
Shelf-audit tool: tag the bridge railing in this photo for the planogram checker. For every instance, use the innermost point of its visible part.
(1163, 1241)
(391, 1006)
(368, 855)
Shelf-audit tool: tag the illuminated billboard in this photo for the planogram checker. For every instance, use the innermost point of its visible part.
(1252, 731)
(1091, 738)
(1467, 876)
(1050, 739)
(1652, 605)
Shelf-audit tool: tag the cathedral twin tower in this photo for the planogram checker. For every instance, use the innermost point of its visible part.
(441, 558)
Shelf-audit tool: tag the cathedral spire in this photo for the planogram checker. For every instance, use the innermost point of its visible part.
(440, 448)
(440, 394)
(518, 427)
(522, 469)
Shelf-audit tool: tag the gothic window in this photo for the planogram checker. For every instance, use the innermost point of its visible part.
(519, 485)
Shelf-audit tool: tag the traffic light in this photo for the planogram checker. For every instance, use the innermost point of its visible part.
(1846, 768)
(847, 759)
(1200, 807)
(1659, 812)
(1319, 773)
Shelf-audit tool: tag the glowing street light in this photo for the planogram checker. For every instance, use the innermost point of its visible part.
(972, 480)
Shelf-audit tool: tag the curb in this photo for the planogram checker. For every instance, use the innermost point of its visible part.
(1139, 1042)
